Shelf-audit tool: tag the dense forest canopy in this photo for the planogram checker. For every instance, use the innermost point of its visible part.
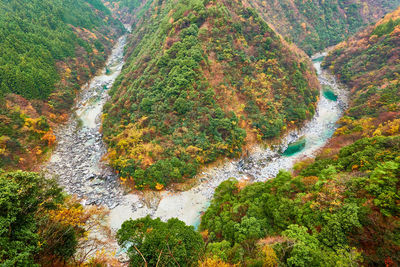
(48, 49)
(335, 212)
(203, 78)
(314, 25)
(36, 34)
(170, 243)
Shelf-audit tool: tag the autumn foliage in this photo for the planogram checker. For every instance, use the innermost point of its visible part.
(211, 80)
(49, 49)
(40, 226)
(314, 25)
(369, 64)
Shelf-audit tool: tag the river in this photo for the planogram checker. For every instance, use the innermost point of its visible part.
(76, 161)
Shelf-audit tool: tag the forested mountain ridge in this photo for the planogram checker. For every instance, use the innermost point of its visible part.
(48, 49)
(202, 79)
(314, 25)
(341, 209)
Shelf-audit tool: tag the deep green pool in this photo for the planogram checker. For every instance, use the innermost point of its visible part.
(328, 93)
(295, 148)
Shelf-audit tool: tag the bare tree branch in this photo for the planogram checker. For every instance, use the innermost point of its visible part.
(145, 262)
(159, 257)
(172, 255)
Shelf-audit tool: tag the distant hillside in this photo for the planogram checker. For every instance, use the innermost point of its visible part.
(48, 49)
(129, 11)
(202, 80)
(314, 25)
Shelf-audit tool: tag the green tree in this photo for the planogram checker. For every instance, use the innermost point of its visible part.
(151, 241)
(23, 197)
(306, 250)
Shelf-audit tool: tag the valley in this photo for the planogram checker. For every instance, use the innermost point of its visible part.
(76, 161)
(78, 166)
(260, 165)
(200, 133)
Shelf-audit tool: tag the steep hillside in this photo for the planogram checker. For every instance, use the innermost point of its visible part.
(202, 80)
(370, 64)
(330, 213)
(314, 25)
(48, 49)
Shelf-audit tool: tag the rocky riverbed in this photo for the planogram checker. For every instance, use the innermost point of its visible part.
(76, 162)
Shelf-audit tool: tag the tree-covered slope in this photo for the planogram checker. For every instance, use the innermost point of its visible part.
(314, 25)
(41, 226)
(37, 34)
(369, 63)
(202, 80)
(48, 49)
(339, 211)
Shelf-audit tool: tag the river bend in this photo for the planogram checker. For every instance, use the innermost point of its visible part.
(76, 161)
